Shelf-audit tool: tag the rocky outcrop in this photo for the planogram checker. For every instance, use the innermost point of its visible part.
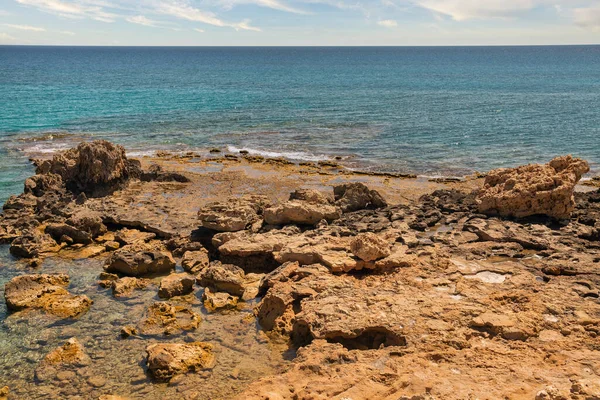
(95, 168)
(195, 261)
(305, 207)
(176, 285)
(163, 318)
(533, 189)
(165, 360)
(369, 247)
(234, 214)
(357, 196)
(45, 292)
(139, 261)
(33, 245)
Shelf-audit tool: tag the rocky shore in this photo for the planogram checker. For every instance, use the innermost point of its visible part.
(362, 286)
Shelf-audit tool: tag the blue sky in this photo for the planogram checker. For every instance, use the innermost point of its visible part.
(299, 22)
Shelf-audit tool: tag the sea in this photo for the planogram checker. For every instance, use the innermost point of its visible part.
(432, 111)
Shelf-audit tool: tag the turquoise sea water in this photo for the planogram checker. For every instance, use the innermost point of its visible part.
(427, 110)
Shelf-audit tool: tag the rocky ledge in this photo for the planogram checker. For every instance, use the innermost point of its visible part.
(476, 289)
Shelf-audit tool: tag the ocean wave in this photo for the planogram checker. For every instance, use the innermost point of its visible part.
(291, 155)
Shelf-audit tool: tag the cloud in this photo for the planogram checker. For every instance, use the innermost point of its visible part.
(81, 9)
(5, 38)
(184, 11)
(4, 13)
(141, 20)
(587, 17)
(274, 4)
(68, 33)
(461, 10)
(388, 23)
(199, 30)
(26, 28)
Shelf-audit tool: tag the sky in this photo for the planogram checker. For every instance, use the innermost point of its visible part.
(299, 22)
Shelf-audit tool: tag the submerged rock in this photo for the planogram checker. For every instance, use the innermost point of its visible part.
(68, 357)
(164, 318)
(166, 360)
(46, 292)
(533, 189)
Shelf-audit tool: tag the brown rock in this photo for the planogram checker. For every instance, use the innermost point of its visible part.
(176, 285)
(88, 221)
(195, 261)
(46, 292)
(216, 301)
(164, 318)
(223, 278)
(132, 261)
(370, 247)
(69, 356)
(357, 196)
(166, 360)
(533, 189)
(234, 214)
(59, 231)
(4, 392)
(301, 212)
(124, 287)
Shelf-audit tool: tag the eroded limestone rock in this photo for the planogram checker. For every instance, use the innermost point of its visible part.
(133, 260)
(176, 285)
(163, 318)
(166, 360)
(234, 214)
(370, 247)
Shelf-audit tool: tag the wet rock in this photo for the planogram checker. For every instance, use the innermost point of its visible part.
(176, 285)
(33, 245)
(301, 212)
(181, 245)
(234, 214)
(124, 287)
(66, 358)
(88, 221)
(223, 278)
(165, 360)
(96, 168)
(46, 292)
(370, 247)
(533, 189)
(217, 301)
(133, 261)
(163, 318)
(195, 261)
(357, 196)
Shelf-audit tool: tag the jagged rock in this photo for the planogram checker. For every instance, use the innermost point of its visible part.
(33, 245)
(176, 285)
(499, 324)
(123, 287)
(310, 196)
(66, 233)
(234, 214)
(156, 173)
(357, 196)
(493, 230)
(166, 360)
(216, 301)
(181, 245)
(301, 212)
(69, 356)
(223, 278)
(96, 168)
(127, 236)
(22, 202)
(88, 221)
(195, 261)
(46, 292)
(533, 189)
(38, 185)
(163, 318)
(134, 261)
(370, 247)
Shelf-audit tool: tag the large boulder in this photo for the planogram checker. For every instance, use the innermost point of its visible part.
(95, 168)
(357, 196)
(46, 292)
(166, 360)
(305, 207)
(234, 214)
(533, 189)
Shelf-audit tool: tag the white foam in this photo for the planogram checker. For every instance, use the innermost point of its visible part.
(291, 155)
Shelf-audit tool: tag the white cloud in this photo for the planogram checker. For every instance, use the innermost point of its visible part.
(68, 33)
(25, 28)
(5, 38)
(199, 30)
(388, 23)
(72, 9)
(185, 11)
(141, 20)
(461, 10)
(587, 17)
(274, 4)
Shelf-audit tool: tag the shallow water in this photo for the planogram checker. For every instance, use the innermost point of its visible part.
(243, 353)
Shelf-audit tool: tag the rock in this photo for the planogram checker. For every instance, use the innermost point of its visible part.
(46, 292)
(4, 392)
(88, 221)
(234, 214)
(499, 324)
(310, 196)
(370, 247)
(123, 287)
(301, 212)
(130, 261)
(163, 318)
(357, 196)
(32, 245)
(96, 168)
(62, 360)
(59, 231)
(195, 261)
(181, 245)
(38, 185)
(223, 278)
(217, 301)
(176, 285)
(166, 360)
(96, 381)
(111, 245)
(493, 230)
(128, 331)
(533, 189)
(127, 236)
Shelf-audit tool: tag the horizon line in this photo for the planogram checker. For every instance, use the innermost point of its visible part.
(306, 46)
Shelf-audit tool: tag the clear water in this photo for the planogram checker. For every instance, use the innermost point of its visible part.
(427, 110)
